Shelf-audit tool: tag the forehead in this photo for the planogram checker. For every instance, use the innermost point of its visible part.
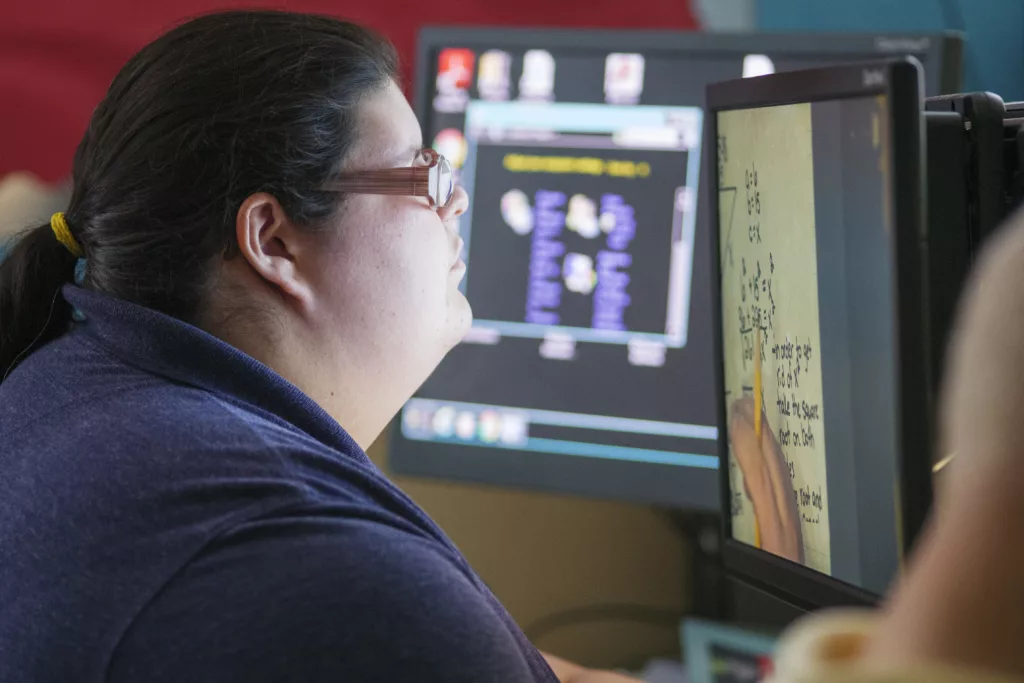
(386, 127)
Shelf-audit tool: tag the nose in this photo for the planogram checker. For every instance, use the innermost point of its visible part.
(457, 206)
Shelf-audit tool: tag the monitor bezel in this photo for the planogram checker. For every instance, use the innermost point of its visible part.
(796, 583)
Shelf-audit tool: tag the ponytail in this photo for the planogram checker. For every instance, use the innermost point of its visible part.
(32, 311)
(272, 105)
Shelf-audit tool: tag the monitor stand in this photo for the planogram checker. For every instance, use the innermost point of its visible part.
(705, 573)
(717, 595)
(753, 607)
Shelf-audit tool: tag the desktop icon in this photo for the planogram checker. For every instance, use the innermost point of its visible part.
(757, 65)
(454, 70)
(517, 212)
(465, 426)
(490, 426)
(606, 222)
(414, 419)
(443, 422)
(513, 429)
(558, 346)
(538, 79)
(493, 79)
(581, 217)
(452, 145)
(578, 273)
(623, 78)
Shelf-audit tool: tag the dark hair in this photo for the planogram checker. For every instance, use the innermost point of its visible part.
(221, 107)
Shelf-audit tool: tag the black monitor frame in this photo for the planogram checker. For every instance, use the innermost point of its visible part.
(943, 48)
(634, 482)
(900, 81)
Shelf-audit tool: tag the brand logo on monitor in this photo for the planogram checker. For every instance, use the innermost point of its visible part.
(872, 78)
(884, 44)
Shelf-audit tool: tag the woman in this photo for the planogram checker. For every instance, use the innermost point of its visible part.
(263, 252)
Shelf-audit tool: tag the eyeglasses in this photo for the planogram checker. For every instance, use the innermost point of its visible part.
(432, 180)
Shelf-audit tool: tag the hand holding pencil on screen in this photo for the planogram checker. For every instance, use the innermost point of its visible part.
(766, 479)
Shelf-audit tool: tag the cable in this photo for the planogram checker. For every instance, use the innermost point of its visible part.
(636, 613)
(28, 349)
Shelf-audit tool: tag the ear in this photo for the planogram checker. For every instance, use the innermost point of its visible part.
(273, 246)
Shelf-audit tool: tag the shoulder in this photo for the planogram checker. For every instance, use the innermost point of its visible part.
(74, 396)
(322, 596)
(73, 387)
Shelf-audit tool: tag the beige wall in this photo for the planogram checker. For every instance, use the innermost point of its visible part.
(542, 554)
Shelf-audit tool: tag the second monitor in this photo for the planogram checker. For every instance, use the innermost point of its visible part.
(822, 324)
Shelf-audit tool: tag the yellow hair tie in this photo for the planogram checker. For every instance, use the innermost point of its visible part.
(62, 232)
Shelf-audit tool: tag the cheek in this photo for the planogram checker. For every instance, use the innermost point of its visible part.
(393, 271)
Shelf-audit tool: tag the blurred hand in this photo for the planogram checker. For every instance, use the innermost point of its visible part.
(767, 481)
(961, 600)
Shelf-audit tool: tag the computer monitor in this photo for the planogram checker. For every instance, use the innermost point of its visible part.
(589, 369)
(821, 326)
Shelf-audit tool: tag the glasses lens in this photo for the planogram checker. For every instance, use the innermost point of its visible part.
(445, 181)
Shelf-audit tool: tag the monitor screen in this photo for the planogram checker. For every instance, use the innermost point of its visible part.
(808, 310)
(589, 368)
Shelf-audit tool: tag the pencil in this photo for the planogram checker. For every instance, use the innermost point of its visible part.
(757, 413)
(757, 383)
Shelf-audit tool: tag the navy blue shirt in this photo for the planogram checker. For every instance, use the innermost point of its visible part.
(173, 510)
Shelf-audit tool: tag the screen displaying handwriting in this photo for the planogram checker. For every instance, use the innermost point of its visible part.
(809, 328)
(772, 333)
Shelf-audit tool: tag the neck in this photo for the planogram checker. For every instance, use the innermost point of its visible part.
(335, 382)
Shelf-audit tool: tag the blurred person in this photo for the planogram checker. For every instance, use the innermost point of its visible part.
(256, 269)
(957, 616)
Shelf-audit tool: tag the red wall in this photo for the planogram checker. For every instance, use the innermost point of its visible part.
(58, 56)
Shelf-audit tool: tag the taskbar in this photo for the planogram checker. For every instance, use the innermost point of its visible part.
(515, 428)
